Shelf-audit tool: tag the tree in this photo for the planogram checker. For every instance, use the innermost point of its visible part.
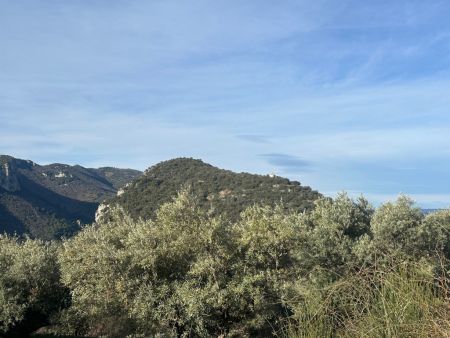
(434, 233)
(332, 231)
(29, 283)
(395, 228)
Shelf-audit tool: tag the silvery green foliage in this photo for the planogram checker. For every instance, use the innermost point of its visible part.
(266, 240)
(395, 227)
(95, 266)
(148, 277)
(331, 232)
(29, 280)
(434, 233)
(184, 274)
(187, 273)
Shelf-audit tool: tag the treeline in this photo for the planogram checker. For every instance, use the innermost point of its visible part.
(341, 270)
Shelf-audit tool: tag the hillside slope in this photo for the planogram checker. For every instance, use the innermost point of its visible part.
(53, 200)
(223, 190)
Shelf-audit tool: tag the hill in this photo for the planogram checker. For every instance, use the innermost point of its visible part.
(222, 190)
(52, 200)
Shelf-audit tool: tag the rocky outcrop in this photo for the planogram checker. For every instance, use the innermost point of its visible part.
(122, 190)
(8, 177)
(101, 211)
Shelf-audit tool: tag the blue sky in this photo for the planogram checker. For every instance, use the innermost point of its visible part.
(340, 95)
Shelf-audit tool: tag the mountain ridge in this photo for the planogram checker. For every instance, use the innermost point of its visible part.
(48, 201)
(54, 200)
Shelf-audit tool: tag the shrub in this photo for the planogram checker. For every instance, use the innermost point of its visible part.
(397, 301)
(336, 271)
(185, 273)
(30, 291)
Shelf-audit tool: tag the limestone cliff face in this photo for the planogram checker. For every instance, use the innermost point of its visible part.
(8, 177)
(101, 212)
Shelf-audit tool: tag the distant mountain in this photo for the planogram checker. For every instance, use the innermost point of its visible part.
(223, 190)
(49, 201)
(430, 211)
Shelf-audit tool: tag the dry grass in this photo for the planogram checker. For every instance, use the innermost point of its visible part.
(405, 300)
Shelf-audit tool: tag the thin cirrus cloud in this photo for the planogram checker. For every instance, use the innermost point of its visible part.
(340, 95)
(264, 139)
(287, 163)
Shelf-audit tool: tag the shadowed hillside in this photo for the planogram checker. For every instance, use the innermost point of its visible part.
(53, 200)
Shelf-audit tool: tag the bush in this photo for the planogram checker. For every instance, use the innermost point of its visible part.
(184, 274)
(342, 270)
(30, 291)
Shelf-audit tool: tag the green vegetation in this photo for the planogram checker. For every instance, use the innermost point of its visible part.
(118, 178)
(51, 201)
(398, 300)
(340, 270)
(220, 191)
(30, 288)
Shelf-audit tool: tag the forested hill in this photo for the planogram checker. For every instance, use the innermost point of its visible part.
(52, 200)
(223, 190)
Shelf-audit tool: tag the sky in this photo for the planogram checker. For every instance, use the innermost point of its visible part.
(340, 95)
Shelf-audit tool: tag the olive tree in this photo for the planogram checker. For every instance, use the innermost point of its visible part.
(148, 277)
(188, 273)
(434, 233)
(332, 231)
(395, 229)
(185, 273)
(30, 290)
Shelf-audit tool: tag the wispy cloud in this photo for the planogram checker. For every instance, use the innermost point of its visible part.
(358, 89)
(287, 163)
(255, 138)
